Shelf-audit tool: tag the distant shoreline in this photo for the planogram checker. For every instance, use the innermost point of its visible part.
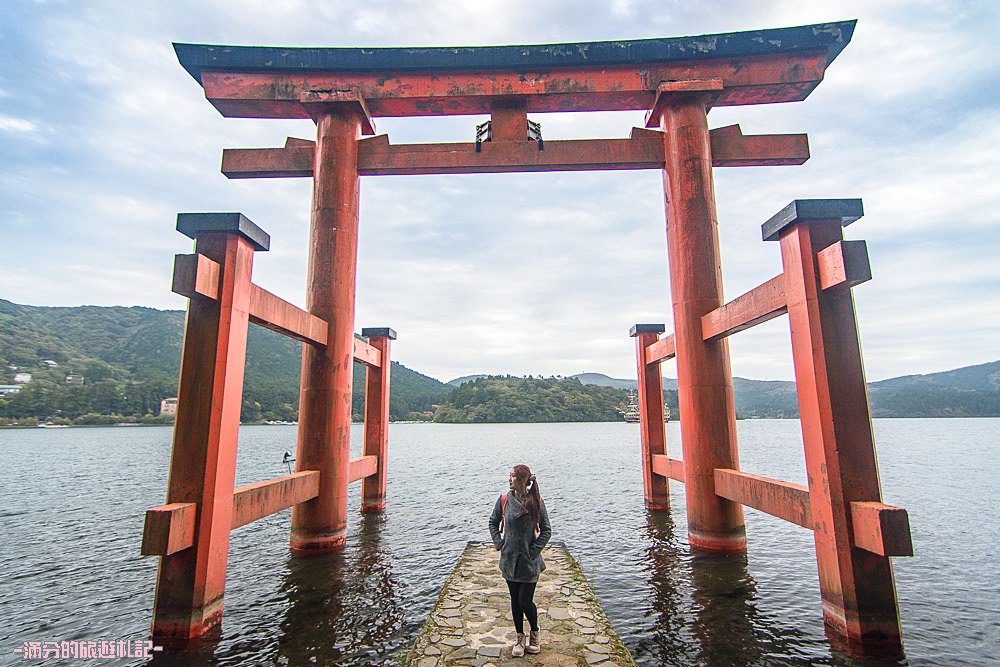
(11, 427)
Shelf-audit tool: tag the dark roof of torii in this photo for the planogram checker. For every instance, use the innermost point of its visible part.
(832, 37)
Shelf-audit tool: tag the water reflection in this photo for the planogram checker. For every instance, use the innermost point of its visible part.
(643, 573)
(668, 639)
(705, 608)
(724, 604)
(197, 652)
(343, 608)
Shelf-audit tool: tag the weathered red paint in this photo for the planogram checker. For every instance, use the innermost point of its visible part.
(881, 529)
(196, 275)
(373, 488)
(781, 499)
(276, 314)
(653, 435)
(709, 90)
(169, 529)
(661, 350)
(318, 103)
(367, 354)
(732, 148)
(191, 582)
(509, 123)
(704, 383)
(643, 150)
(843, 265)
(288, 162)
(256, 501)
(762, 303)
(362, 467)
(324, 434)
(668, 467)
(857, 586)
(760, 79)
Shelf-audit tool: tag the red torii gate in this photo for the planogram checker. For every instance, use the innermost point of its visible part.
(677, 81)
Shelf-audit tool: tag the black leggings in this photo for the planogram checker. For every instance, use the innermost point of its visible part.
(522, 604)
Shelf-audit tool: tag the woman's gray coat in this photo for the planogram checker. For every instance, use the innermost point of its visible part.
(520, 551)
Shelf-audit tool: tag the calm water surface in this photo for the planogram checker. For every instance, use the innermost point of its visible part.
(74, 499)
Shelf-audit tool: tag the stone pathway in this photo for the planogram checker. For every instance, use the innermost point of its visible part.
(471, 625)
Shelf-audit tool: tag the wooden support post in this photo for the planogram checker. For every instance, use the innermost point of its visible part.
(704, 382)
(191, 582)
(324, 435)
(377, 419)
(859, 594)
(510, 122)
(651, 427)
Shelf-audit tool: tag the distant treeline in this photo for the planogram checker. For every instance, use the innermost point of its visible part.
(91, 365)
(129, 360)
(514, 399)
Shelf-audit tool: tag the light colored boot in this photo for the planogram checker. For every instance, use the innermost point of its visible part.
(533, 645)
(518, 650)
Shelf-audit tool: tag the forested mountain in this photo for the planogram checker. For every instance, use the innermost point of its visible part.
(972, 391)
(516, 399)
(129, 359)
(982, 377)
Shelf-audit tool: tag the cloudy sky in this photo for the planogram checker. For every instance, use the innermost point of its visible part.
(104, 138)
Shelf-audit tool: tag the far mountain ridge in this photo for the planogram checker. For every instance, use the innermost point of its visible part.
(979, 377)
(90, 362)
(128, 360)
(458, 382)
(961, 392)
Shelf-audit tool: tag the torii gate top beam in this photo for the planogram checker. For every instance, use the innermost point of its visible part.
(755, 67)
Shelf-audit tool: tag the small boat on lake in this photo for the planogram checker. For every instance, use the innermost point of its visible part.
(630, 412)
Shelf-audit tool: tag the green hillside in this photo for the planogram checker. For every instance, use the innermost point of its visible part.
(514, 399)
(972, 391)
(130, 359)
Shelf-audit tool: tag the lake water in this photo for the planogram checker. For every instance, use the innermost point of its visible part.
(74, 500)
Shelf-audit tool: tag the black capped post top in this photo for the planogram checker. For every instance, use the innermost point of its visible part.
(805, 210)
(193, 224)
(370, 332)
(832, 37)
(646, 328)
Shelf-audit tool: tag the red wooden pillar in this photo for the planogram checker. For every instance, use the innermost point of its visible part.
(190, 583)
(704, 382)
(377, 419)
(651, 427)
(857, 586)
(324, 435)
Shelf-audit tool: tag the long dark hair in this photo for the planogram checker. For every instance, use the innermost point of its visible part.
(533, 497)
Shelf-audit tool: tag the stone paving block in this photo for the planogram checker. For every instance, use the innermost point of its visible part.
(474, 604)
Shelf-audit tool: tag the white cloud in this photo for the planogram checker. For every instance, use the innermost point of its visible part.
(11, 124)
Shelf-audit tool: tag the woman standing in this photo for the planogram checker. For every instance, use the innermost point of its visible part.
(520, 528)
